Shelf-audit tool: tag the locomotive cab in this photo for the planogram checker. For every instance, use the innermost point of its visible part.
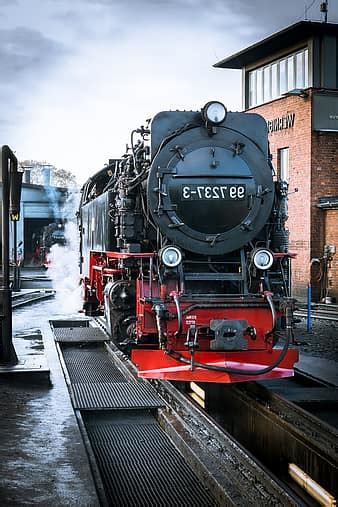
(185, 249)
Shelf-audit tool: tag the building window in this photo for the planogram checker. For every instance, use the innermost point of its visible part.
(271, 81)
(282, 83)
(274, 80)
(259, 86)
(252, 87)
(283, 162)
(291, 73)
(267, 84)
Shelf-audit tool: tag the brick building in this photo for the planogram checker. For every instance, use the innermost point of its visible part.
(291, 79)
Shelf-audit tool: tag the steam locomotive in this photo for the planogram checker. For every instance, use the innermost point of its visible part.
(184, 249)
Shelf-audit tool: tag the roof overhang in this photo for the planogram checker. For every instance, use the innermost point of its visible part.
(290, 36)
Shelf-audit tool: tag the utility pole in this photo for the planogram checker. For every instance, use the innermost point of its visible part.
(324, 7)
(9, 170)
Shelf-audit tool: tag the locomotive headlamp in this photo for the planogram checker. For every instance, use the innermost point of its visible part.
(214, 112)
(263, 258)
(171, 256)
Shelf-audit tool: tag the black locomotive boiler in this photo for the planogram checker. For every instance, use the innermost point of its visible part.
(184, 249)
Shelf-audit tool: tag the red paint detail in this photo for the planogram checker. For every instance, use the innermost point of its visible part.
(158, 364)
(97, 260)
(122, 255)
(258, 317)
(104, 264)
(107, 271)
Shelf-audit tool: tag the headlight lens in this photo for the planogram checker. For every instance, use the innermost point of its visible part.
(214, 112)
(263, 259)
(171, 256)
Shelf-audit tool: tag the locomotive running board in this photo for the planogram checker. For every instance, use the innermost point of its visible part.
(158, 364)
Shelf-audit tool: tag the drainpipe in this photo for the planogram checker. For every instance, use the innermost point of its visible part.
(309, 296)
(309, 322)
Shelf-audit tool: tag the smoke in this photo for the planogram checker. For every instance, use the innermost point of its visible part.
(64, 262)
(53, 196)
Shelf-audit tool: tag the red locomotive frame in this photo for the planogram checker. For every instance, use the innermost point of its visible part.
(179, 359)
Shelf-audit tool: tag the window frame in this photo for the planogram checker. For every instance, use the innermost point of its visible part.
(291, 62)
(283, 155)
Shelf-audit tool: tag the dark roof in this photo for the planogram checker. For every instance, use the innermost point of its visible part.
(42, 187)
(287, 37)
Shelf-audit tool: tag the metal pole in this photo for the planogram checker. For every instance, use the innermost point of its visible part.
(7, 352)
(16, 269)
(309, 323)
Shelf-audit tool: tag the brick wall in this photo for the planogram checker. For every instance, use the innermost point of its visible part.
(298, 140)
(331, 238)
(324, 184)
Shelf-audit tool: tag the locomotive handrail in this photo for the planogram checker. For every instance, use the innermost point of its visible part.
(108, 271)
(223, 306)
(124, 255)
(225, 176)
(214, 276)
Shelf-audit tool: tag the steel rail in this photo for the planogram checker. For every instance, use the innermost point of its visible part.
(27, 299)
(318, 314)
(277, 431)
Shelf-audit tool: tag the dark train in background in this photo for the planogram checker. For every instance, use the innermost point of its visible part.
(42, 241)
(184, 249)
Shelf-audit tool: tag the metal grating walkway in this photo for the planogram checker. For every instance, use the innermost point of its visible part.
(90, 365)
(139, 465)
(97, 384)
(114, 396)
(79, 334)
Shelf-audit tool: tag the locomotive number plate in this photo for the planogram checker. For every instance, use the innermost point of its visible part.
(210, 192)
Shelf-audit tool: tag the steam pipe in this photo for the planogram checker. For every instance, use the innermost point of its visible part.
(179, 315)
(273, 313)
(160, 310)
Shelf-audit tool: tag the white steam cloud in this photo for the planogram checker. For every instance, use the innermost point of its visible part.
(64, 264)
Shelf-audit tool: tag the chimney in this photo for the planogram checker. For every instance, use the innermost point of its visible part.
(27, 176)
(46, 176)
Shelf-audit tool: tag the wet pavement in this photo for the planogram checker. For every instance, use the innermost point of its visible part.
(43, 459)
(32, 363)
(320, 341)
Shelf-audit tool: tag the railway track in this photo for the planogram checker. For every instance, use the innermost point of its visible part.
(20, 299)
(318, 311)
(158, 448)
(282, 427)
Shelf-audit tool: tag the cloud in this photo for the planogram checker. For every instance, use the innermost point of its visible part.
(78, 76)
(25, 51)
(112, 84)
(268, 16)
(26, 55)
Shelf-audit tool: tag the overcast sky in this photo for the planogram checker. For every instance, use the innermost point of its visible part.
(77, 75)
